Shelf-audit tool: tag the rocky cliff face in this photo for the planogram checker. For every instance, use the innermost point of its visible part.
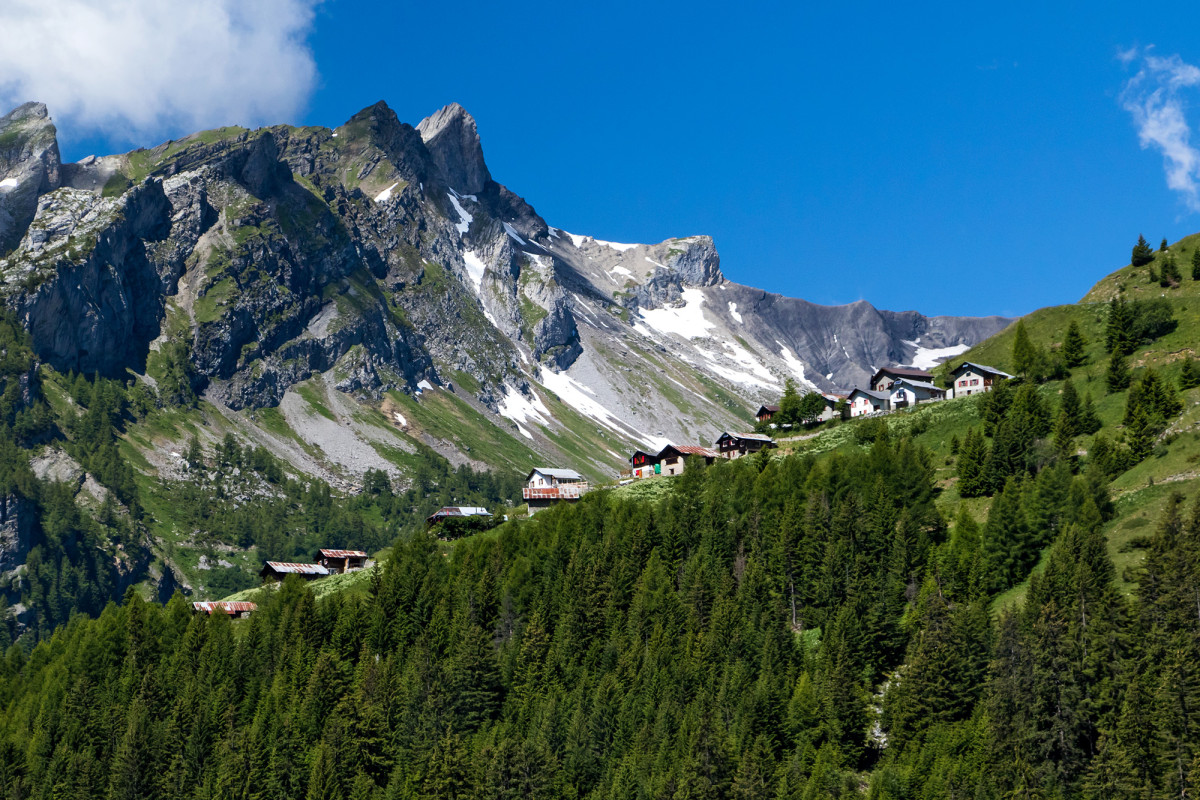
(382, 257)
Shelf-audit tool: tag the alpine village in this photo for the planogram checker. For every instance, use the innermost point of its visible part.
(329, 470)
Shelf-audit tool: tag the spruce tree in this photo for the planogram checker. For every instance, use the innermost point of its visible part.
(1162, 248)
(1196, 264)
(1025, 355)
(971, 459)
(1119, 335)
(1142, 254)
(1073, 348)
(1116, 378)
(1169, 275)
(1189, 371)
(1089, 420)
(1071, 409)
(789, 404)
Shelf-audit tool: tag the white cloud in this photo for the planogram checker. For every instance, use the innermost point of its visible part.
(158, 67)
(1155, 97)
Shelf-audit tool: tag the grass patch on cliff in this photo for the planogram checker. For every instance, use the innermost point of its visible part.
(212, 304)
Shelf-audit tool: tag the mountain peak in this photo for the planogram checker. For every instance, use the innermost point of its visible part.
(25, 111)
(453, 140)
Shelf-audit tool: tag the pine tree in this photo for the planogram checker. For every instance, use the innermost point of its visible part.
(1189, 370)
(1196, 264)
(1116, 378)
(1142, 254)
(1118, 334)
(1025, 355)
(1089, 420)
(1162, 248)
(1070, 408)
(1169, 275)
(789, 404)
(1073, 348)
(971, 459)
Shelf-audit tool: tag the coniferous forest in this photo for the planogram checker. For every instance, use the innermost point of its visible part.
(727, 641)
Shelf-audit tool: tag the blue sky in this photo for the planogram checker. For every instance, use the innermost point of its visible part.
(948, 159)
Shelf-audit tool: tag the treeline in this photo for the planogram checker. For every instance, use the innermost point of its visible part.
(83, 556)
(778, 630)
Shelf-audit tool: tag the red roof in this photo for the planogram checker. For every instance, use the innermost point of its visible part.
(695, 450)
(228, 606)
(343, 553)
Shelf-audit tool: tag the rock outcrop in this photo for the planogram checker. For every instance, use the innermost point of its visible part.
(29, 167)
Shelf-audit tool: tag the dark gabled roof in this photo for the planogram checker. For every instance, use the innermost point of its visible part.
(909, 372)
(551, 472)
(919, 384)
(869, 393)
(768, 409)
(754, 437)
(649, 456)
(980, 368)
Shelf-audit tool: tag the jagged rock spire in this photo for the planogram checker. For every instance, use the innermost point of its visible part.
(453, 141)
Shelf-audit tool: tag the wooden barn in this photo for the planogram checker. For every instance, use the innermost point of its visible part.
(673, 458)
(339, 561)
(234, 608)
(278, 570)
(736, 445)
(765, 413)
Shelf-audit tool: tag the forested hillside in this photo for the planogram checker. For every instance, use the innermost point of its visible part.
(792, 628)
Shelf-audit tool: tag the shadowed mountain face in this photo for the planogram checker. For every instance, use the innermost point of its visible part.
(384, 258)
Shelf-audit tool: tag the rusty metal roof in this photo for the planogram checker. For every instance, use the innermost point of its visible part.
(343, 553)
(299, 569)
(228, 606)
(694, 450)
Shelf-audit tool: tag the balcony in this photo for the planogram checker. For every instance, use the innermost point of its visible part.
(568, 491)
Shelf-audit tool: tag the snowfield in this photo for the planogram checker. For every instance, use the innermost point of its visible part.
(930, 357)
(687, 320)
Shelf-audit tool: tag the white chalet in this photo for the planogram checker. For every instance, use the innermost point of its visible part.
(969, 378)
(545, 486)
(907, 392)
(865, 401)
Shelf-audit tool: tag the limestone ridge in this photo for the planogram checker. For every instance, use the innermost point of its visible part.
(384, 257)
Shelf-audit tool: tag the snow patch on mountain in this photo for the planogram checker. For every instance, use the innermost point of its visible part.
(930, 357)
(386, 194)
(8, 183)
(582, 399)
(464, 219)
(687, 320)
(733, 312)
(475, 268)
(511, 231)
(519, 408)
(621, 248)
(794, 364)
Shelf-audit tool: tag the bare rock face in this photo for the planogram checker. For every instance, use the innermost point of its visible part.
(453, 142)
(82, 281)
(29, 167)
(17, 519)
(384, 257)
